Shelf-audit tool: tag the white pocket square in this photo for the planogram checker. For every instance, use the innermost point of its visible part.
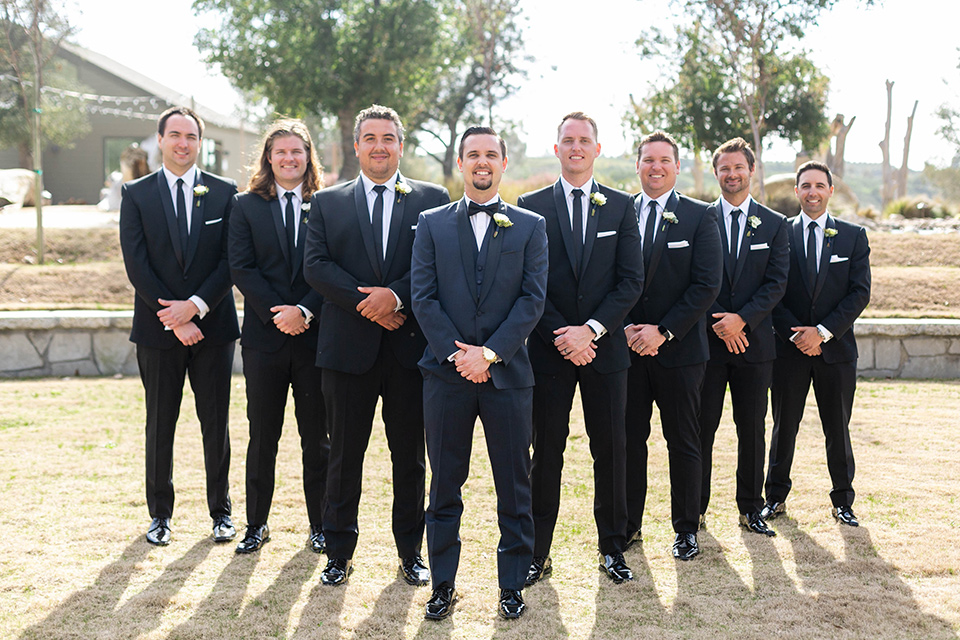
(606, 234)
(678, 245)
(838, 259)
(758, 247)
(213, 221)
(413, 227)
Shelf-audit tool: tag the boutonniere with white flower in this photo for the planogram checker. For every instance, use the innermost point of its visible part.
(402, 189)
(754, 222)
(502, 221)
(829, 232)
(304, 210)
(201, 190)
(670, 217)
(598, 200)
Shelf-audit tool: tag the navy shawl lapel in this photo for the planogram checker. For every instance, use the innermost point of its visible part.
(724, 238)
(593, 218)
(494, 247)
(468, 247)
(170, 214)
(825, 252)
(196, 221)
(563, 219)
(748, 232)
(276, 213)
(660, 241)
(396, 219)
(366, 229)
(798, 253)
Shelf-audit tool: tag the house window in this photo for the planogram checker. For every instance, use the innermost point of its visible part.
(211, 155)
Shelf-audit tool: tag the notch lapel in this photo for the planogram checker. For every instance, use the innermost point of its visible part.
(171, 216)
(196, 221)
(563, 219)
(748, 232)
(798, 256)
(660, 242)
(276, 214)
(593, 220)
(366, 229)
(825, 252)
(396, 218)
(724, 238)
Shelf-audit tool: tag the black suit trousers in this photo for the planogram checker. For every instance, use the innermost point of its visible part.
(604, 399)
(834, 386)
(676, 390)
(749, 382)
(162, 372)
(351, 401)
(450, 413)
(269, 376)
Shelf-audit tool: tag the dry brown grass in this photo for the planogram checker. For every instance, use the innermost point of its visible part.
(74, 562)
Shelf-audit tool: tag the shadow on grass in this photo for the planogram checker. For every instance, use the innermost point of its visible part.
(321, 615)
(389, 616)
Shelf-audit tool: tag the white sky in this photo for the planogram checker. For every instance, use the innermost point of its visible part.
(593, 66)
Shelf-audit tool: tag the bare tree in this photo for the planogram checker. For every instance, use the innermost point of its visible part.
(895, 181)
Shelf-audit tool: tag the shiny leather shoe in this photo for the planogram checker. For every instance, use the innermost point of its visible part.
(615, 567)
(223, 529)
(632, 539)
(318, 544)
(336, 572)
(753, 522)
(414, 571)
(511, 604)
(685, 546)
(159, 532)
(772, 510)
(255, 537)
(844, 515)
(441, 602)
(540, 568)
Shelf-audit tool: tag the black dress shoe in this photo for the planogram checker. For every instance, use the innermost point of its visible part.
(255, 537)
(633, 539)
(414, 571)
(223, 529)
(685, 546)
(844, 515)
(615, 567)
(159, 532)
(441, 602)
(318, 544)
(511, 604)
(772, 510)
(336, 571)
(540, 568)
(753, 522)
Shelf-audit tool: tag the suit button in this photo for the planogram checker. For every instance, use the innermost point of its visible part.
(479, 313)
(646, 298)
(479, 267)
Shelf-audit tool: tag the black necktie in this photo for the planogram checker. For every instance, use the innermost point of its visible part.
(734, 241)
(577, 229)
(812, 255)
(378, 222)
(182, 219)
(648, 233)
(290, 223)
(473, 208)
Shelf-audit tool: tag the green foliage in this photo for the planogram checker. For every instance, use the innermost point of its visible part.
(917, 208)
(946, 179)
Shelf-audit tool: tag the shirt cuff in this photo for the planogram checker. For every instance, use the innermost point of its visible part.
(827, 336)
(598, 328)
(399, 301)
(202, 308)
(307, 314)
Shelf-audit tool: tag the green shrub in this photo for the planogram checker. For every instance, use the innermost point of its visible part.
(917, 207)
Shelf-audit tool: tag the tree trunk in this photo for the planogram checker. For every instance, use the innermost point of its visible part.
(698, 174)
(904, 169)
(838, 162)
(758, 152)
(350, 167)
(886, 188)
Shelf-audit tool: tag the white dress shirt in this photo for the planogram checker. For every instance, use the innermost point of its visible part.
(389, 198)
(727, 210)
(821, 224)
(297, 214)
(586, 188)
(645, 210)
(189, 181)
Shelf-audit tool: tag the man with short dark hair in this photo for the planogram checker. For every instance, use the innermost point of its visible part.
(359, 241)
(173, 234)
(827, 290)
(742, 350)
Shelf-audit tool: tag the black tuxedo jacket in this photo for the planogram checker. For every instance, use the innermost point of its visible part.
(501, 311)
(682, 281)
(340, 257)
(156, 267)
(265, 272)
(608, 284)
(841, 293)
(756, 285)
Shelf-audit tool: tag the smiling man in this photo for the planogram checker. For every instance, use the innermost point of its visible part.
(358, 257)
(827, 290)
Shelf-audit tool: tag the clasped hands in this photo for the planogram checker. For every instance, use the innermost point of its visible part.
(808, 340)
(289, 319)
(379, 306)
(644, 339)
(470, 362)
(177, 315)
(576, 344)
(729, 328)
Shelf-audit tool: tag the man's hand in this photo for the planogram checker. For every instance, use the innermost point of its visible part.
(176, 312)
(188, 334)
(392, 321)
(574, 342)
(808, 340)
(289, 319)
(470, 362)
(379, 303)
(645, 339)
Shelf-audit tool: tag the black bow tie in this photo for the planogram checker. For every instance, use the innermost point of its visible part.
(488, 209)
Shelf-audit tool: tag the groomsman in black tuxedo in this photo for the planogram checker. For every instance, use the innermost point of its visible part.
(755, 265)
(268, 229)
(827, 290)
(683, 267)
(359, 241)
(173, 234)
(478, 282)
(595, 278)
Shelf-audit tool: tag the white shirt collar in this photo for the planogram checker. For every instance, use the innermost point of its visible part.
(728, 208)
(662, 200)
(189, 177)
(390, 184)
(821, 221)
(297, 192)
(568, 188)
(482, 204)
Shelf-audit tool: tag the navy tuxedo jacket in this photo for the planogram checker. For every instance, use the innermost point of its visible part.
(500, 311)
(157, 269)
(340, 257)
(841, 293)
(756, 285)
(682, 281)
(608, 284)
(265, 272)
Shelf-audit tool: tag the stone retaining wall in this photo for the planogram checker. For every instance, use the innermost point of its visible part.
(95, 343)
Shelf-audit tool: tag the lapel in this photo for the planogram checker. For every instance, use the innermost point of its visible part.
(170, 214)
(494, 241)
(366, 229)
(276, 214)
(396, 219)
(591, 231)
(744, 251)
(797, 252)
(468, 247)
(825, 252)
(660, 241)
(724, 238)
(301, 245)
(196, 221)
(563, 219)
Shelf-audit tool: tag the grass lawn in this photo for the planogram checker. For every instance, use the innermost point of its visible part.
(74, 562)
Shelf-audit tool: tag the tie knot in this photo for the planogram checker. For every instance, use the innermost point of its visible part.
(812, 226)
(289, 196)
(736, 213)
(489, 209)
(578, 193)
(179, 182)
(653, 206)
(379, 189)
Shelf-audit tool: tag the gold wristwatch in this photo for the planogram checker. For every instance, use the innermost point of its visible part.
(490, 355)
